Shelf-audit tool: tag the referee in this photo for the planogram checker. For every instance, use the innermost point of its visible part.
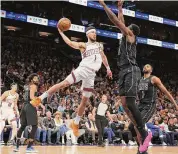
(99, 111)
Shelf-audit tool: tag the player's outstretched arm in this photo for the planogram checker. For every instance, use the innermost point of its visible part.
(76, 45)
(156, 81)
(126, 31)
(105, 62)
(120, 11)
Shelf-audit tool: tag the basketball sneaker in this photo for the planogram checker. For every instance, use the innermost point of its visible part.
(31, 150)
(145, 144)
(16, 149)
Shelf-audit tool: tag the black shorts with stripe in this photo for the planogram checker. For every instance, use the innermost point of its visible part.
(129, 77)
(147, 110)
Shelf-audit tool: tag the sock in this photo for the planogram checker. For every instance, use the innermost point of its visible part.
(62, 139)
(77, 120)
(14, 130)
(44, 95)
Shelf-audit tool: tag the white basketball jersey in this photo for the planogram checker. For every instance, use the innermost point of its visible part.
(10, 100)
(91, 57)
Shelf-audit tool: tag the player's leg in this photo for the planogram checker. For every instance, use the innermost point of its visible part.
(23, 122)
(2, 125)
(31, 116)
(74, 77)
(13, 122)
(87, 88)
(147, 112)
(128, 99)
(3, 117)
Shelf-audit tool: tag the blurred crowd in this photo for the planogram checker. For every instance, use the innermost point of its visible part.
(21, 57)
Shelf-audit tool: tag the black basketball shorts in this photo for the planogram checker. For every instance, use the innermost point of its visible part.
(128, 81)
(28, 115)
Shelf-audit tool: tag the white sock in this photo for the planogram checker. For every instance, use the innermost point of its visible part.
(44, 95)
(62, 139)
(14, 130)
(77, 120)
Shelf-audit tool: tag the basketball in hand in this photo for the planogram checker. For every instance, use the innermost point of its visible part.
(64, 24)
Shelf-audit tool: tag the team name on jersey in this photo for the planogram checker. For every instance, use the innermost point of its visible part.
(143, 86)
(91, 52)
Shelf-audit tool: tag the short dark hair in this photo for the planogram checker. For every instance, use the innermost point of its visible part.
(31, 76)
(90, 27)
(135, 28)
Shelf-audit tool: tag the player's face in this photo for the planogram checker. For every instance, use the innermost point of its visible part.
(92, 36)
(104, 98)
(14, 87)
(147, 68)
(35, 80)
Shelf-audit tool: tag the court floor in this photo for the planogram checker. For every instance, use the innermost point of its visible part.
(91, 150)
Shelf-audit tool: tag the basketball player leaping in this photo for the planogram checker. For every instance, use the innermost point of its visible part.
(9, 101)
(129, 73)
(147, 93)
(92, 58)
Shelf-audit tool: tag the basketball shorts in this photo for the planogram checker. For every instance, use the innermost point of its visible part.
(28, 115)
(147, 110)
(7, 114)
(87, 76)
(128, 81)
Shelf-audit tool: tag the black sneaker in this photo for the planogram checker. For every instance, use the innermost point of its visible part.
(101, 145)
(138, 152)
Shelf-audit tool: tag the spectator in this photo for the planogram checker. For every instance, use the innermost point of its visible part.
(174, 130)
(41, 129)
(60, 125)
(91, 127)
(51, 128)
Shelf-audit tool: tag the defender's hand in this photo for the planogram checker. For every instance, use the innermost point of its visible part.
(102, 2)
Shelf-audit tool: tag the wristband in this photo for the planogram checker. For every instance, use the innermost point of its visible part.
(108, 68)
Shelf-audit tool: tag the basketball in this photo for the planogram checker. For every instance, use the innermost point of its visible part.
(64, 24)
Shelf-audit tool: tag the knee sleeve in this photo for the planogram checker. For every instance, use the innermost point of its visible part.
(33, 132)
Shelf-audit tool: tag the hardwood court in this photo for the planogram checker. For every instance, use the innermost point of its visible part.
(90, 150)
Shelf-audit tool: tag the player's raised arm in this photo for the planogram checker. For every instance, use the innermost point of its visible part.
(105, 61)
(76, 45)
(126, 31)
(120, 11)
(158, 83)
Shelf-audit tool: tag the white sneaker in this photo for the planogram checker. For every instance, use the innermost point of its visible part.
(131, 143)
(164, 144)
(150, 144)
(123, 142)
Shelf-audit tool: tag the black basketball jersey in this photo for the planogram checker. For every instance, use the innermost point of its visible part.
(126, 53)
(26, 95)
(147, 92)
